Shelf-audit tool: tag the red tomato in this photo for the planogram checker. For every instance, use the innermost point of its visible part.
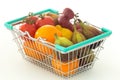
(46, 20)
(28, 27)
(31, 19)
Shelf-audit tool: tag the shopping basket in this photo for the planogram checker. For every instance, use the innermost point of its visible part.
(62, 61)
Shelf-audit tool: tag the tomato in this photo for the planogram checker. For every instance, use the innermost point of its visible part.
(45, 20)
(28, 27)
(31, 19)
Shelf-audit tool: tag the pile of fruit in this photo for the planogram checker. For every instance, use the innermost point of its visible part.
(59, 28)
(64, 29)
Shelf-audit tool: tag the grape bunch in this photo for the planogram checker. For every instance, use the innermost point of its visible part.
(64, 19)
(68, 13)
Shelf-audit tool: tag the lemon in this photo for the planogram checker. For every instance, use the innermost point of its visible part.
(65, 32)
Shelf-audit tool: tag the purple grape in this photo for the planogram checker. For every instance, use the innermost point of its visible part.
(68, 13)
(64, 22)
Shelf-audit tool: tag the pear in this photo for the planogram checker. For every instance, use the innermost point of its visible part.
(77, 36)
(89, 31)
(62, 41)
(89, 58)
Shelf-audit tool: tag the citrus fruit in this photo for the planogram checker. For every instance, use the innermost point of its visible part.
(47, 32)
(65, 32)
(30, 50)
(43, 48)
(65, 69)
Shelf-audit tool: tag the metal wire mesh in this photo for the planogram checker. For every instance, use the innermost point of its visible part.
(63, 64)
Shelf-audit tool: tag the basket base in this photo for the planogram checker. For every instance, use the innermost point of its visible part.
(49, 67)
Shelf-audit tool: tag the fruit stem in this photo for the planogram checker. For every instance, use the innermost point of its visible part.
(27, 19)
(30, 14)
(74, 26)
(41, 16)
(80, 21)
(56, 36)
(81, 24)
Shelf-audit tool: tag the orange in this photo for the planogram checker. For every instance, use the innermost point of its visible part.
(30, 50)
(43, 48)
(47, 32)
(65, 69)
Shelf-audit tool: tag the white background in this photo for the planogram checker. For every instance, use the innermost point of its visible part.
(103, 13)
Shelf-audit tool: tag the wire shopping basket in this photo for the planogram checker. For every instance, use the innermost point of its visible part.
(62, 61)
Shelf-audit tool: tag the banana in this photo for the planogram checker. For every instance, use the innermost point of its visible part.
(62, 41)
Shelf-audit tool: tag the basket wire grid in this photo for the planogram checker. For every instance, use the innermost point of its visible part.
(75, 61)
(63, 63)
